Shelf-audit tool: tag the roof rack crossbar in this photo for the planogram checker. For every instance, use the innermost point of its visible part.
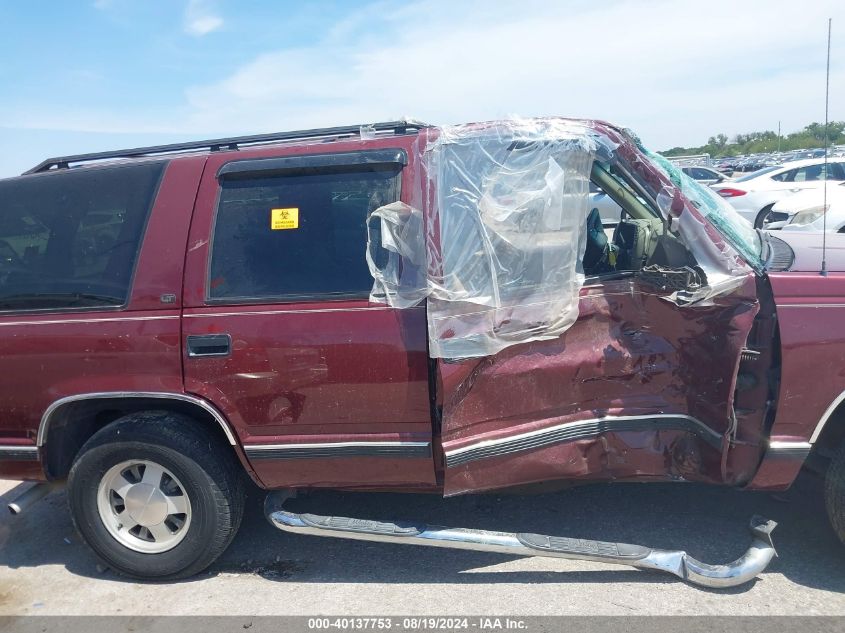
(62, 162)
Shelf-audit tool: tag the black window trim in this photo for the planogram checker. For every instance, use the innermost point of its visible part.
(306, 163)
(131, 285)
(299, 165)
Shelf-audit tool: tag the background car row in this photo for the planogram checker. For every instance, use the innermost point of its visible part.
(790, 196)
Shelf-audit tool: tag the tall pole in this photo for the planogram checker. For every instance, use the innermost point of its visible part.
(778, 136)
(826, 110)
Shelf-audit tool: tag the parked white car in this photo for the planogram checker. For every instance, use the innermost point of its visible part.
(805, 211)
(755, 195)
(705, 175)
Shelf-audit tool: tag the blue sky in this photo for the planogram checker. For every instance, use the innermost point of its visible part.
(99, 74)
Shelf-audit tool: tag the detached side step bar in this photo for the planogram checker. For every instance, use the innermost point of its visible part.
(679, 563)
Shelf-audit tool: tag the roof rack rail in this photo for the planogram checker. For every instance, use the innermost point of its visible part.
(214, 145)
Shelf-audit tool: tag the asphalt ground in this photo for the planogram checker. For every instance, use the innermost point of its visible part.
(46, 569)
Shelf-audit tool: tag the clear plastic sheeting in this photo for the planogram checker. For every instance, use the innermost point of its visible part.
(400, 278)
(511, 200)
(495, 233)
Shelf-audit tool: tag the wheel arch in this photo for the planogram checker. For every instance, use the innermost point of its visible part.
(763, 211)
(70, 421)
(830, 429)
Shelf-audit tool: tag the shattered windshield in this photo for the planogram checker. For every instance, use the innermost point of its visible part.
(720, 214)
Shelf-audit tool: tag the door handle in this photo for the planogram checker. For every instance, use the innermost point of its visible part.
(209, 345)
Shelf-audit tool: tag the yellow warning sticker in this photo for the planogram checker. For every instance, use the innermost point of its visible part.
(281, 219)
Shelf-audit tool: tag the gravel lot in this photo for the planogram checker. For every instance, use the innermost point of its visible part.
(46, 569)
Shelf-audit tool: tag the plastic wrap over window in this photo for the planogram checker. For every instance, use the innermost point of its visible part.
(511, 200)
(399, 268)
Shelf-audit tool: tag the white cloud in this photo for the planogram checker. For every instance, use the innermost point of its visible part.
(200, 19)
(673, 73)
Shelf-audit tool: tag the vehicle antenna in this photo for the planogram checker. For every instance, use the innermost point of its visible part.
(824, 186)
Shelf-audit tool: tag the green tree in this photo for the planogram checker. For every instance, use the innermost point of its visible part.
(811, 136)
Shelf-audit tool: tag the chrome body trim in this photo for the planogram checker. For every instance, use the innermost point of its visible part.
(789, 450)
(810, 305)
(114, 395)
(571, 431)
(679, 563)
(205, 315)
(338, 449)
(98, 320)
(823, 420)
(16, 452)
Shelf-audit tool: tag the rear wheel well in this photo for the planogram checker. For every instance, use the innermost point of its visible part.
(73, 423)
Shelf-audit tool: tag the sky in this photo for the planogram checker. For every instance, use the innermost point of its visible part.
(90, 75)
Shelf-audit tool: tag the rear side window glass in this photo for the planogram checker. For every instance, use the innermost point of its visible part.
(810, 173)
(702, 174)
(298, 234)
(71, 239)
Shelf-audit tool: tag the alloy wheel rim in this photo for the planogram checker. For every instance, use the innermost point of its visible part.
(144, 506)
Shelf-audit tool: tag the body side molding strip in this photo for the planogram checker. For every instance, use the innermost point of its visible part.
(114, 395)
(581, 429)
(826, 416)
(338, 449)
(18, 452)
(789, 450)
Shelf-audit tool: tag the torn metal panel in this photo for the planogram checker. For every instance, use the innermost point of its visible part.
(659, 379)
(633, 375)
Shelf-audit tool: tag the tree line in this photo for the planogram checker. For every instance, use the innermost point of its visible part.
(809, 137)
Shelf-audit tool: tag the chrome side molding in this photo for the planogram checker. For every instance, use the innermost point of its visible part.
(321, 450)
(44, 426)
(826, 416)
(18, 452)
(679, 563)
(581, 429)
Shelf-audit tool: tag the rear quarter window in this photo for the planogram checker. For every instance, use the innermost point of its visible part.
(71, 239)
(297, 235)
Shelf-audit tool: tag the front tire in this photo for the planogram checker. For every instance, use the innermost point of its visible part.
(156, 496)
(834, 492)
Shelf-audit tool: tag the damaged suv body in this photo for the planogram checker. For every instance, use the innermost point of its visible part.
(401, 307)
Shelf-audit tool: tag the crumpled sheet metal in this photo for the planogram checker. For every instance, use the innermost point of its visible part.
(498, 249)
(633, 354)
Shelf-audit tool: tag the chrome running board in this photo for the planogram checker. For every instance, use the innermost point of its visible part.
(679, 563)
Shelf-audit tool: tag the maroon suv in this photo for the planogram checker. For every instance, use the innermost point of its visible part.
(407, 308)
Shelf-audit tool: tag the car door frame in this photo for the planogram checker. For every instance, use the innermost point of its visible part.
(363, 455)
(489, 445)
